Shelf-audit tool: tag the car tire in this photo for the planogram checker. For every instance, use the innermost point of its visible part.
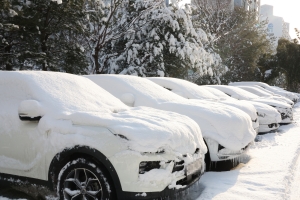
(84, 179)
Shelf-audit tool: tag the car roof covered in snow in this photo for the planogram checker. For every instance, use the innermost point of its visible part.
(61, 91)
(184, 88)
(254, 90)
(235, 92)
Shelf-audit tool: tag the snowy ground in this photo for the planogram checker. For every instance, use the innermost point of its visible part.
(273, 171)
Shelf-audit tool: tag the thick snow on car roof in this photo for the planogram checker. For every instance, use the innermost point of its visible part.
(70, 98)
(217, 93)
(229, 126)
(282, 92)
(62, 91)
(255, 90)
(184, 88)
(235, 92)
(192, 91)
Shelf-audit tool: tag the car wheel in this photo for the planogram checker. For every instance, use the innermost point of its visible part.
(82, 179)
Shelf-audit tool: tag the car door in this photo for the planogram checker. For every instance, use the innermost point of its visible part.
(18, 139)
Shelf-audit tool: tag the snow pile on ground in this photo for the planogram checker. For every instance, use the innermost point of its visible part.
(273, 171)
(229, 126)
(65, 100)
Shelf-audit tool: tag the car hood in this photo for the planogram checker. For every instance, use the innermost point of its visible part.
(272, 102)
(244, 106)
(266, 114)
(143, 129)
(229, 126)
(281, 99)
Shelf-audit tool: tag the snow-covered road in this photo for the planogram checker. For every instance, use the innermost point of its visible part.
(273, 171)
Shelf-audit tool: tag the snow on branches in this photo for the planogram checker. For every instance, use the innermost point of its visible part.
(163, 42)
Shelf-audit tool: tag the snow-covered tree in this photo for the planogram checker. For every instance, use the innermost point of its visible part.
(108, 21)
(164, 43)
(237, 36)
(47, 35)
(8, 35)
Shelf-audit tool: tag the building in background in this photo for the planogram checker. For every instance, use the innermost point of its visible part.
(251, 5)
(276, 25)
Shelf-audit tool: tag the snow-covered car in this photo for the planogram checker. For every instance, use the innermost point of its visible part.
(190, 90)
(285, 110)
(281, 92)
(227, 131)
(259, 91)
(269, 117)
(67, 133)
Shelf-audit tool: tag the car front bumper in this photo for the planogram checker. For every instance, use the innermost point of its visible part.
(168, 180)
(264, 128)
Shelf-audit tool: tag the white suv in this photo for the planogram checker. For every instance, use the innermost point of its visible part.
(65, 132)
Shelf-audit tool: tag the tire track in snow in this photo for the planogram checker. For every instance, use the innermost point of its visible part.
(292, 190)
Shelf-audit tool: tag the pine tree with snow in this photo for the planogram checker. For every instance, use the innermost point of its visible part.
(8, 35)
(164, 43)
(49, 35)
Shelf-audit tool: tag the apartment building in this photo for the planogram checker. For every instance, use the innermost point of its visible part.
(276, 25)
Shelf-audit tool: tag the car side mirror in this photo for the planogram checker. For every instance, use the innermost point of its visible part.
(30, 110)
(128, 99)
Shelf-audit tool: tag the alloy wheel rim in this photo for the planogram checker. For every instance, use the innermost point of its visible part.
(82, 184)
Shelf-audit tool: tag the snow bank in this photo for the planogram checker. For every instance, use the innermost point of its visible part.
(67, 100)
(229, 126)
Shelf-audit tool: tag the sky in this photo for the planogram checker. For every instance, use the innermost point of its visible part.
(289, 10)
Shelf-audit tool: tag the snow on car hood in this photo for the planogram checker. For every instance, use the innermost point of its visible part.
(141, 128)
(230, 127)
(244, 106)
(67, 99)
(267, 114)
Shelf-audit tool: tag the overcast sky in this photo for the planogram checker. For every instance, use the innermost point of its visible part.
(289, 10)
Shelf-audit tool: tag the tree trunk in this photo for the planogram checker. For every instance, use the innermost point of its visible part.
(96, 61)
(8, 64)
